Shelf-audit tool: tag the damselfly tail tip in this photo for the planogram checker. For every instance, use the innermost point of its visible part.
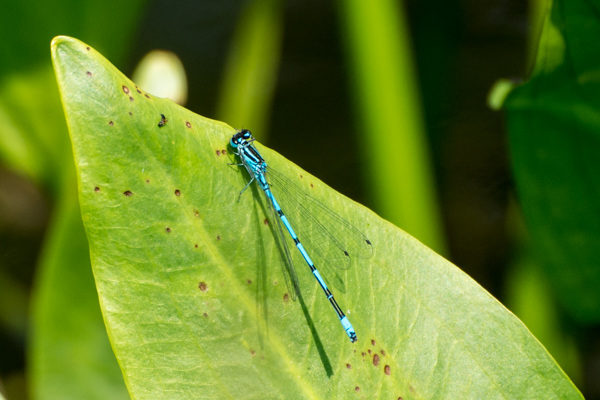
(348, 328)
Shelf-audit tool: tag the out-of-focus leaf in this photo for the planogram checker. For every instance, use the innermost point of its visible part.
(554, 124)
(33, 139)
(70, 354)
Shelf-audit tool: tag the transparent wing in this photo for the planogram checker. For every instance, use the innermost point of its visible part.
(287, 264)
(335, 240)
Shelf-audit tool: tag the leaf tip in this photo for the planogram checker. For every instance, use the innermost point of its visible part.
(61, 40)
(56, 40)
(63, 43)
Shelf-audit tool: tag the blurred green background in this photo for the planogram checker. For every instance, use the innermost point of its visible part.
(385, 101)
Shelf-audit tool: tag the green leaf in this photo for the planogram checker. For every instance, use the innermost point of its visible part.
(190, 283)
(554, 125)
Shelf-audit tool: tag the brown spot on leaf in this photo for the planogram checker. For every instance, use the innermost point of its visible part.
(128, 193)
(188, 124)
(125, 89)
(203, 286)
(387, 370)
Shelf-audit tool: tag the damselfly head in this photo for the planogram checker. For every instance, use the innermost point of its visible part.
(236, 140)
(246, 134)
(241, 137)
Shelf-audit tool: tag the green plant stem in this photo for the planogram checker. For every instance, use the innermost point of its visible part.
(393, 138)
(251, 71)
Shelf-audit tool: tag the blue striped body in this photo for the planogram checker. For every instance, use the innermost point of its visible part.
(257, 168)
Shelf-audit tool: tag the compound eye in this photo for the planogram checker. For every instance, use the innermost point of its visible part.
(246, 133)
(236, 139)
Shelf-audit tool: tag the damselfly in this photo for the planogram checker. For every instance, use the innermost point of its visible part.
(332, 230)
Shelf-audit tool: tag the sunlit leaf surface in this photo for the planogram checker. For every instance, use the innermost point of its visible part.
(192, 292)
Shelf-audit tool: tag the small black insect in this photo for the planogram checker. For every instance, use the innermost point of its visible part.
(163, 121)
